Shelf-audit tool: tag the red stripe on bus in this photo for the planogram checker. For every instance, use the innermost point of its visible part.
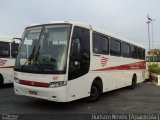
(33, 83)
(137, 65)
(7, 67)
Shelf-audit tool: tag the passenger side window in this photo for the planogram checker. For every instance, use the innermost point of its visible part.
(125, 50)
(115, 47)
(100, 44)
(139, 51)
(133, 51)
(143, 54)
(4, 49)
(80, 53)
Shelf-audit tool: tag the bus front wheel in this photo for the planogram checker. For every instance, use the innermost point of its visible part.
(95, 93)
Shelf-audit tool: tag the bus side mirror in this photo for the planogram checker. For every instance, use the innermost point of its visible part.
(16, 39)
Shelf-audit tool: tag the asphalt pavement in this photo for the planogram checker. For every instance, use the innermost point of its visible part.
(144, 99)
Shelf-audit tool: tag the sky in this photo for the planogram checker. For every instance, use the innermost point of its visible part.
(126, 18)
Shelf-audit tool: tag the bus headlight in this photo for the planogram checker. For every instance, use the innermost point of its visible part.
(57, 84)
(16, 79)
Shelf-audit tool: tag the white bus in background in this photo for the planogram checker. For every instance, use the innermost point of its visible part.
(8, 53)
(66, 61)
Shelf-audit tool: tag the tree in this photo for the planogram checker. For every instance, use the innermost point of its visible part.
(155, 52)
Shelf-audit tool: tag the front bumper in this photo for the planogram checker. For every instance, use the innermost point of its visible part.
(58, 94)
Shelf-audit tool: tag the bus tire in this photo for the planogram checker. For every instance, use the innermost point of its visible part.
(95, 91)
(1, 80)
(134, 82)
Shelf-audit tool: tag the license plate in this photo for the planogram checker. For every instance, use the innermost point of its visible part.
(33, 93)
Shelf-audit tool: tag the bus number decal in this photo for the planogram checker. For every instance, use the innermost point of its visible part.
(104, 61)
(2, 62)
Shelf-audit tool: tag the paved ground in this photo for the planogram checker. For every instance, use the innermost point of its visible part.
(144, 99)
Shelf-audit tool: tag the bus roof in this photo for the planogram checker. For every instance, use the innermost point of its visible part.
(96, 29)
(8, 39)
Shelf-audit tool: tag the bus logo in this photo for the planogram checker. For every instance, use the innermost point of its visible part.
(104, 61)
(55, 77)
(2, 62)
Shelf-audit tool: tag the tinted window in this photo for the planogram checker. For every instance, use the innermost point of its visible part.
(14, 49)
(100, 44)
(125, 50)
(149, 59)
(139, 53)
(115, 47)
(133, 51)
(80, 53)
(143, 53)
(157, 58)
(83, 35)
(4, 49)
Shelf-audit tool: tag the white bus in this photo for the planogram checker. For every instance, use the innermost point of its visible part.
(8, 52)
(65, 61)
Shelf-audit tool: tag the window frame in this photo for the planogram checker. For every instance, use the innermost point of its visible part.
(8, 47)
(125, 43)
(100, 45)
(134, 56)
(120, 52)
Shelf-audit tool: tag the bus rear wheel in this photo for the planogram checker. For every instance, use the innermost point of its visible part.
(95, 93)
(1, 80)
(134, 82)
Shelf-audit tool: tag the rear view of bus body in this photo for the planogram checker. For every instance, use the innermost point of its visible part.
(8, 53)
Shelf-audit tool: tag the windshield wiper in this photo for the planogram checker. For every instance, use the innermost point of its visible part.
(31, 56)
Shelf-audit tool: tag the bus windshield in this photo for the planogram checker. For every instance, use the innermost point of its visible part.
(44, 49)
